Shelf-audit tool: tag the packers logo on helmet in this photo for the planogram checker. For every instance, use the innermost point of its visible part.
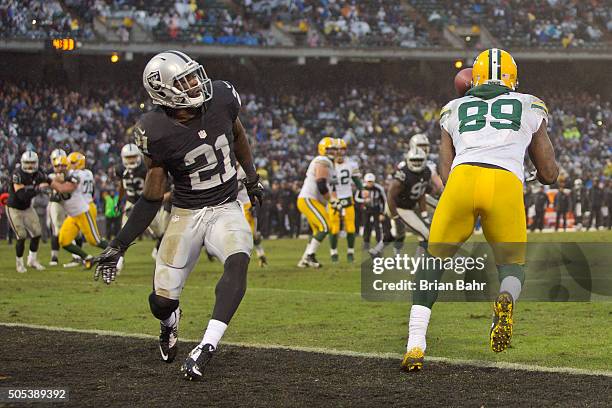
(76, 161)
(326, 147)
(495, 66)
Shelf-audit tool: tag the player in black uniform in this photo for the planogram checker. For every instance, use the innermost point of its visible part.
(27, 181)
(196, 136)
(406, 198)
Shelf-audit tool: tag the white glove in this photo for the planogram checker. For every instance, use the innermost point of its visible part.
(394, 226)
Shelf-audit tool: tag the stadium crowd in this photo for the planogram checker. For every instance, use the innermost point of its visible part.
(284, 129)
(417, 23)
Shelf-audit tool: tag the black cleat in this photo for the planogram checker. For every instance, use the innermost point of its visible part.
(168, 340)
(263, 262)
(197, 360)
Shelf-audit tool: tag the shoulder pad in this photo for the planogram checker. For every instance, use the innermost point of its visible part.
(400, 175)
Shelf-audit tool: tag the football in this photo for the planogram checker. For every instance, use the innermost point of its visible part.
(463, 81)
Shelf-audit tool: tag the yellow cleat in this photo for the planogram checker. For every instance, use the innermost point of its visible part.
(501, 329)
(413, 359)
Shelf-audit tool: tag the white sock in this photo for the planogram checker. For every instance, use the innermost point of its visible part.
(53, 253)
(260, 251)
(213, 333)
(312, 247)
(512, 285)
(379, 246)
(19, 259)
(333, 251)
(171, 321)
(32, 256)
(350, 251)
(417, 327)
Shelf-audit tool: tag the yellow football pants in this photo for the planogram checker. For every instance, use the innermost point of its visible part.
(348, 213)
(315, 213)
(85, 223)
(493, 194)
(249, 216)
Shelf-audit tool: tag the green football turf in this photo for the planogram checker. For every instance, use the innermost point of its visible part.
(304, 307)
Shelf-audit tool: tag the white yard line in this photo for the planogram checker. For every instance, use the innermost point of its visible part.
(461, 362)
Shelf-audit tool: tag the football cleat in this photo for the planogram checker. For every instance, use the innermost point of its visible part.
(33, 263)
(76, 261)
(88, 262)
(263, 261)
(413, 359)
(309, 261)
(197, 360)
(168, 339)
(53, 261)
(20, 266)
(501, 328)
(334, 258)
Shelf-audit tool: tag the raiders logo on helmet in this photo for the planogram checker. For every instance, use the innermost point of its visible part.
(154, 80)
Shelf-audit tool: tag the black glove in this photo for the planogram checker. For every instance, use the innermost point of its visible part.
(106, 264)
(532, 176)
(255, 190)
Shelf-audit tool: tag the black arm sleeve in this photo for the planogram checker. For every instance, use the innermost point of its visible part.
(25, 194)
(322, 186)
(143, 213)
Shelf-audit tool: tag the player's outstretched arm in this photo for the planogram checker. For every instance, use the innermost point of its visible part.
(144, 212)
(542, 154)
(447, 155)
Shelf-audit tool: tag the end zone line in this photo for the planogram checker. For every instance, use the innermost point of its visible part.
(348, 353)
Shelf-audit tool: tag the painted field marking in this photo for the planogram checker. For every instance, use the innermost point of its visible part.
(348, 353)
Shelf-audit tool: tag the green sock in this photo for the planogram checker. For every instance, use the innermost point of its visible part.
(103, 244)
(350, 239)
(333, 241)
(320, 236)
(73, 249)
(516, 270)
(427, 297)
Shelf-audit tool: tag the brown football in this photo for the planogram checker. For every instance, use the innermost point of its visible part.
(463, 81)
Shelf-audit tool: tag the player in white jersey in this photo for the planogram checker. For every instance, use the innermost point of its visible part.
(77, 188)
(55, 210)
(312, 200)
(250, 214)
(485, 135)
(347, 174)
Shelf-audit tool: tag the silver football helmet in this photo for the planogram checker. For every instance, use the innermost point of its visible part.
(420, 140)
(29, 161)
(130, 156)
(415, 160)
(175, 80)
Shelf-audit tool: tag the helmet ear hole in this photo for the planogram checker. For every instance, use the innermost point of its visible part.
(162, 94)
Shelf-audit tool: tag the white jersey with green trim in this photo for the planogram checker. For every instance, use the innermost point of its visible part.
(79, 200)
(494, 131)
(345, 172)
(310, 188)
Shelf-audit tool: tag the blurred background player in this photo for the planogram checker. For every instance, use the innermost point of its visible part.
(485, 135)
(27, 181)
(579, 202)
(313, 198)
(406, 205)
(250, 214)
(347, 174)
(421, 141)
(55, 211)
(132, 173)
(374, 201)
(81, 212)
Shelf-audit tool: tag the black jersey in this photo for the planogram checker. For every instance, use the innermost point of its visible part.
(199, 154)
(30, 181)
(414, 185)
(132, 181)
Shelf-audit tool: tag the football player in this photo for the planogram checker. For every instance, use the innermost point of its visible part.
(194, 134)
(132, 173)
(314, 196)
(55, 211)
(250, 214)
(420, 140)
(347, 174)
(484, 138)
(27, 181)
(374, 201)
(406, 205)
(77, 186)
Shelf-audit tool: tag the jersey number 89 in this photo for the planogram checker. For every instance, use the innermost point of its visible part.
(508, 111)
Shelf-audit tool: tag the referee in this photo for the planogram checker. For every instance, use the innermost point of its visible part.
(373, 198)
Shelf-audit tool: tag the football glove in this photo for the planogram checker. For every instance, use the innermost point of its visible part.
(106, 264)
(533, 176)
(255, 190)
(335, 204)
